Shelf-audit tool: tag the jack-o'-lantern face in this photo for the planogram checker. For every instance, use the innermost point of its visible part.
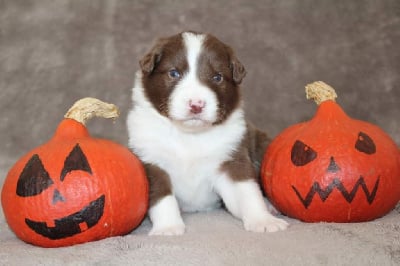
(332, 168)
(60, 195)
(302, 154)
(69, 192)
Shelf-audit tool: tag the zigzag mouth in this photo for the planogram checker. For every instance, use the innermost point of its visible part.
(73, 224)
(337, 183)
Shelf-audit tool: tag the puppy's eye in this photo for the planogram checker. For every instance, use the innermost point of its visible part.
(218, 78)
(174, 74)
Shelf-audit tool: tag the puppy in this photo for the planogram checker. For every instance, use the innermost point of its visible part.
(187, 126)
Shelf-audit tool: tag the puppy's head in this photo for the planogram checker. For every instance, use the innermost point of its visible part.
(192, 79)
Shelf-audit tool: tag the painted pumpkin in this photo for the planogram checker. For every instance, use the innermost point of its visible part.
(332, 168)
(75, 188)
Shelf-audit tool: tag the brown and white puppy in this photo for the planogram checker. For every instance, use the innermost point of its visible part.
(187, 125)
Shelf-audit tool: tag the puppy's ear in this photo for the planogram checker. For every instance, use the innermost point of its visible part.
(238, 70)
(152, 58)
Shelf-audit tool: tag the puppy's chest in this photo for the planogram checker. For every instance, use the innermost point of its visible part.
(192, 179)
(190, 158)
(193, 161)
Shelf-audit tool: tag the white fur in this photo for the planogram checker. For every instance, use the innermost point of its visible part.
(191, 150)
(191, 90)
(245, 201)
(166, 217)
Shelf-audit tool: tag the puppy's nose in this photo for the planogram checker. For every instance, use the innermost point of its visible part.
(196, 106)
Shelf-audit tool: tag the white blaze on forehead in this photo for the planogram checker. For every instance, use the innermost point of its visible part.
(191, 89)
(193, 43)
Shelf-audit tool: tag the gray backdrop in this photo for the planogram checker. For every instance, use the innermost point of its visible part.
(55, 52)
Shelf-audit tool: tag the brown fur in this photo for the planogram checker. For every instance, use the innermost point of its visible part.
(168, 53)
(246, 160)
(159, 181)
(217, 57)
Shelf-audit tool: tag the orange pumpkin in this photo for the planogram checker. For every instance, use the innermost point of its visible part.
(332, 168)
(75, 188)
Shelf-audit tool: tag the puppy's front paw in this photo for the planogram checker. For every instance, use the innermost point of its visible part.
(166, 218)
(170, 230)
(265, 224)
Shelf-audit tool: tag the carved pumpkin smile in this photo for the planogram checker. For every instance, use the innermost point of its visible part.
(73, 224)
(337, 183)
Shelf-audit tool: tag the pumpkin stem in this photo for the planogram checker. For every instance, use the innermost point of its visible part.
(320, 92)
(87, 108)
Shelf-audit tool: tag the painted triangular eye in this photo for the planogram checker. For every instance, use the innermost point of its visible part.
(365, 144)
(76, 160)
(302, 154)
(33, 179)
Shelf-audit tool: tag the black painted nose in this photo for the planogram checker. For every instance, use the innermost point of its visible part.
(333, 167)
(57, 196)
